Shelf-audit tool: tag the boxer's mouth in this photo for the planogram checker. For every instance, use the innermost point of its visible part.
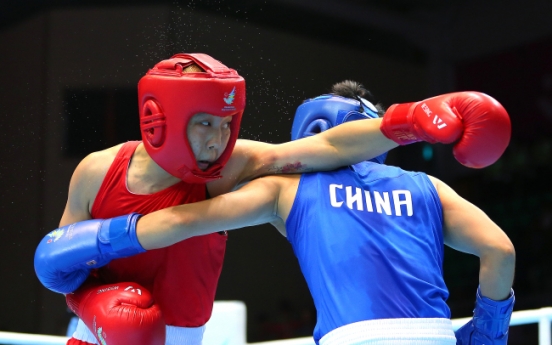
(203, 164)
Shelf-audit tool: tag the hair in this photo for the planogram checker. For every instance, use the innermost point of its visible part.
(193, 68)
(355, 90)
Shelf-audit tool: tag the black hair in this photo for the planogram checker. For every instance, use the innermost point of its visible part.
(355, 90)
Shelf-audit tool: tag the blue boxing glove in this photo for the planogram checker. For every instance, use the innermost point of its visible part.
(65, 256)
(490, 322)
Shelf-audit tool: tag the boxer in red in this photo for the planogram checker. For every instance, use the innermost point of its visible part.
(190, 111)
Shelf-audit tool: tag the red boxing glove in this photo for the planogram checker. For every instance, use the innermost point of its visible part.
(118, 314)
(477, 121)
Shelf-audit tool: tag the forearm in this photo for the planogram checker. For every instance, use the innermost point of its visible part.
(358, 141)
(350, 143)
(496, 274)
(343, 145)
(161, 229)
(253, 204)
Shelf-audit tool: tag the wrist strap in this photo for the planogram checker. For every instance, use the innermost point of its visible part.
(120, 234)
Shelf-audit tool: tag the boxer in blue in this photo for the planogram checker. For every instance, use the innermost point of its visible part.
(369, 238)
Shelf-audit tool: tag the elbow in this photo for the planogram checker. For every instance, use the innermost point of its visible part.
(508, 252)
(503, 254)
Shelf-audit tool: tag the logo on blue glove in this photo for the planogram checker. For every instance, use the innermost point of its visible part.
(55, 235)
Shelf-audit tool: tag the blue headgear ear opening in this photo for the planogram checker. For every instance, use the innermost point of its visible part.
(321, 113)
(346, 116)
(316, 126)
(324, 107)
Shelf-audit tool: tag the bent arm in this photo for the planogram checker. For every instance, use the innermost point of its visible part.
(255, 203)
(470, 230)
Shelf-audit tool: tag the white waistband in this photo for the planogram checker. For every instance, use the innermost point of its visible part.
(82, 333)
(184, 335)
(419, 331)
(175, 335)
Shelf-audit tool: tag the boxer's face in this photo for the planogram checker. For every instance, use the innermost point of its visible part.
(208, 136)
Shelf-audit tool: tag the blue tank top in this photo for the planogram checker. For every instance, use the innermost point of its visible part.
(370, 245)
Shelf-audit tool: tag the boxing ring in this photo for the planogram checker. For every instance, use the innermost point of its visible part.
(229, 321)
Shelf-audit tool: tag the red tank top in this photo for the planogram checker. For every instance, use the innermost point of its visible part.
(183, 277)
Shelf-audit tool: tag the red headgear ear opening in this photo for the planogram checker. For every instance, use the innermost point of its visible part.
(153, 123)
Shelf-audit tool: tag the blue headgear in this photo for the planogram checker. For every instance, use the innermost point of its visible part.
(321, 113)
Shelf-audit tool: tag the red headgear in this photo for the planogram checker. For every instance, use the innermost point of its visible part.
(168, 98)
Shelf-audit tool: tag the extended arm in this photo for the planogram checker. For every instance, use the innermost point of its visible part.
(471, 120)
(65, 256)
(343, 145)
(255, 203)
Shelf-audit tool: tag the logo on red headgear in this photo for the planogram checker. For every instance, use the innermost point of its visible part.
(229, 97)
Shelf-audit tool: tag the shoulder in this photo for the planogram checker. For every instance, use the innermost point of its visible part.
(97, 163)
(434, 180)
(447, 195)
(85, 184)
(441, 186)
(91, 171)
